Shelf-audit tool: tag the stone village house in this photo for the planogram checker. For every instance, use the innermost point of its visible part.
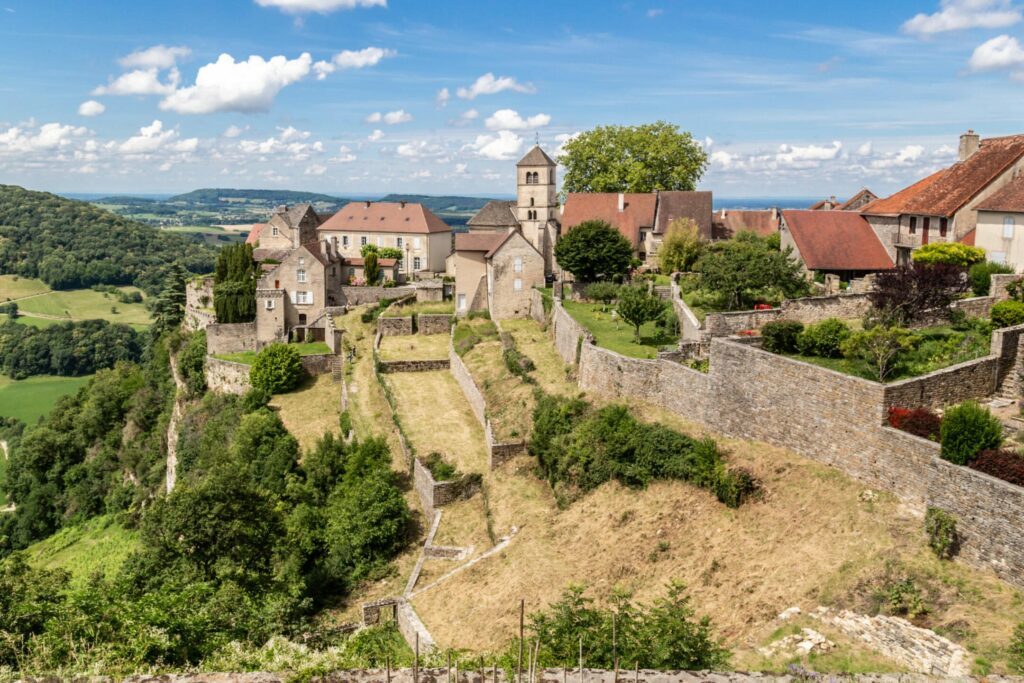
(496, 272)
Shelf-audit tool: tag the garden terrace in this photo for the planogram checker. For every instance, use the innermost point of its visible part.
(616, 334)
(305, 349)
(414, 347)
(399, 309)
(508, 397)
(471, 331)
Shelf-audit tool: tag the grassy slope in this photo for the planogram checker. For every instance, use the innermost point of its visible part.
(617, 335)
(85, 304)
(509, 399)
(15, 287)
(31, 321)
(28, 399)
(247, 357)
(101, 544)
(310, 411)
(415, 347)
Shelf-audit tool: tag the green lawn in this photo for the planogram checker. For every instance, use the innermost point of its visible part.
(28, 399)
(201, 229)
(424, 307)
(617, 335)
(101, 544)
(86, 304)
(30, 320)
(247, 357)
(15, 287)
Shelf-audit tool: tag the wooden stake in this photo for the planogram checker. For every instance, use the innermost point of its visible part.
(581, 659)
(449, 669)
(483, 679)
(636, 673)
(495, 672)
(522, 616)
(388, 660)
(416, 661)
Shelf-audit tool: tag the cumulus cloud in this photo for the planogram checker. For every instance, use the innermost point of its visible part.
(957, 15)
(156, 57)
(91, 108)
(795, 155)
(564, 138)
(315, 169)
(460, 169)
(504, 146)
(509, 119)
(391, 118)
(321, 6)
(234, 131)
(227, 85)
(419, 149)
(148, 140)
(442, 97)
(375, 135)
(1001, 52)
(289, 142)
(488, 84)
(907, 156)
(140, 82)
(345, 155)
(352, 59)
(47, 137)
(864, 150)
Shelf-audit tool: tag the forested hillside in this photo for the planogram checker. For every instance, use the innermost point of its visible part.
(70, 244)
(215, 195)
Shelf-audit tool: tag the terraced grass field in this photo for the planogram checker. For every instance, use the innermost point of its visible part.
(29, 399)
(101, 544)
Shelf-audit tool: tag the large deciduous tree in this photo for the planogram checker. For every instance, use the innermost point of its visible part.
(681, 247)
(747, 268)
(655, 156)
(594, 250)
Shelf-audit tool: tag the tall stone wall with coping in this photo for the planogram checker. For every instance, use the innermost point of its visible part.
(231, 337)
(199, 304)
(227, 376)
(567, 333)
(469, 389)
(319, 364)
(433, 323)
(734, 322)
(814, 309)
(537, 307)
(662, 382)
(357, 296)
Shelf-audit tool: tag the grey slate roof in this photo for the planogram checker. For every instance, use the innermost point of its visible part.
(536, 157)
(495, 214)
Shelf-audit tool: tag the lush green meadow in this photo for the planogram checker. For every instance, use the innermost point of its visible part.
(101, 544)
(29, 399)
(616, 334)
(15, 287)
(86, 304)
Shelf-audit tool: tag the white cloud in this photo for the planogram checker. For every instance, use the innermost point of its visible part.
(150, 139)
(864, 150)
(1001, 52)
(321, 6)
(489, 85)
(289, 143)
(563, 138)
(345, 155)
(391, 118)
(907, 156)
(91, 108)
(809, 155)
(140, 82)
(375, 135)
(509, 119)
(47, 137)
(156, 57)
(460, 169)
(443, 96)
(234, 131)
(504, 146)
(352, 59)
(186, 146)
(249, 86)
(315, 169)
(419, 149)
(957, 15)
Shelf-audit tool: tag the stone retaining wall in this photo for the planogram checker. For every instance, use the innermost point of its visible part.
(567, 333)
(662, 382)
(537, 307)
(469, 389)
(319, 364)
(433, 323)
(227, 376)
(434, 494)
(412, 365)
(808, 310)
(500, 453)
(394, 327)
(231, 337)
(357, 296)
(689, 324)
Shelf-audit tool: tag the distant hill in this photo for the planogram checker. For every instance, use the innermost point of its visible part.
(70, 244)
(217, 195)
(444, 204)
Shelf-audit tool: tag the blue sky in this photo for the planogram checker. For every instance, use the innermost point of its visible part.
(359, 96)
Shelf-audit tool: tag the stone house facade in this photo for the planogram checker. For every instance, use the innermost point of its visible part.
(496, 272)
(1000, 230)
(293, 293)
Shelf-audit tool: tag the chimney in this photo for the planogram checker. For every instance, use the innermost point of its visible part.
(969, 144)
(723, 214)
(367, 204)
(622, 202)
(775, 214)
(402, 203)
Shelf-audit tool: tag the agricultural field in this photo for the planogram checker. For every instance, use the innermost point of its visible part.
(29, 399)
(38, 303)
(101, 544)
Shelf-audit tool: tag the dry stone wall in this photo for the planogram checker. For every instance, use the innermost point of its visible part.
(434, 494)
(412, 365)
(394, 327)
(567, 333)
(357, 296)
(469, 389)
(537, 307)
(662, 382)
(227, 376)
(808, 310)
(231, 337)
(433, 323)
(319, 364)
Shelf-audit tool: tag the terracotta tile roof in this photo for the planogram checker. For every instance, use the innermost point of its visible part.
(536, 157)
(1010, 197)
(495, 214)
(266, 254)
(836, 240)
(254, 234)
(818, 206)
(760, 222)
(899, 203)
(968, 239)
(946, 192)
(385, 217)
(637, 213)
(863, 197)
(676, 204)
(478, 241)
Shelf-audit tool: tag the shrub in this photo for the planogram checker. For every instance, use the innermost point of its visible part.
(345, 422)
(277, 369)
(968, 429)
(917, 421)
(1007, 314)
(1002, 464)
(605, 292)
(881, 347)
(733, 487)
(949, 253)
(981, 274)
(518, 364)
(941, 529)
(824, 339)
(906, 293)
(905, 599)
(439, 469)
(1017, 650)
(780, 336)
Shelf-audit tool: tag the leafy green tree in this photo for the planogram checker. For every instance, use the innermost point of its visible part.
(638, 306)
(981, 274)
(192, 363)
(881, 347)
(368, 521)
(594, 250)
(655, 156)
(949, 253)
(277, 369)
(681, 247)
(908, 293)
(605, 292)
(371, 268)
(267, 449)
(747, 268)
(234, 284)
(968, 429)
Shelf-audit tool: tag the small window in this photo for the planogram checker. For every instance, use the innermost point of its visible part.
(300, 275)
(997, 256)
(462, 302)
(532, 201)
(416, 263)
(519, 264)
(517, 284)
(416, 243)
(1008, 226)
(344, 241)
(274, 231)
(268, 304)
(913, 225)
(643, 236)
(398, 242)
(362, 241)
(943, 226)
(380, 241)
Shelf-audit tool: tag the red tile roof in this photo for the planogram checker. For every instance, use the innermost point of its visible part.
(946, 192)
(254, 234)
(478, 241)
(385, 217)
(836, 240)
(637, 213)
(1010, 197)
(734, 221)
(678, 204)
(968, 239)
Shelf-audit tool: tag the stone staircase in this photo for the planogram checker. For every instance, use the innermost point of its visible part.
(337, 368)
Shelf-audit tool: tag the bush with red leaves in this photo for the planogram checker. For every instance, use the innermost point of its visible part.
(917, 421)
(1001, 464)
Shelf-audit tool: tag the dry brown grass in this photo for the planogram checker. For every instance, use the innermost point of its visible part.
(437, 417)
(414, 347)
(531, 340)
(463, 524)
(509, 399)
(310, 411)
